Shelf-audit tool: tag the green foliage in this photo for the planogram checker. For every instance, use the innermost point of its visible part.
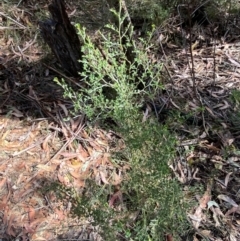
(156, 11)
(112, 81)
(149, 149)
(235, 97)
(153, 203)
(221, 10)
(156, 14)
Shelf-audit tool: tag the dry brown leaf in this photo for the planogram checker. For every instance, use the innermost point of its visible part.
(103, 160)
(103, 177)
(85, 135)
(205, 199)
(31, 214)
(3, 166)
(211, 147)
(116, 179)
(36, 236)
(81, 157)
(10, 226)
(45, 146)
(90, 150)
(60, 214)
(3, 203)
(225, 106)
(2, 182)
(195, 173)
(171, 46)
(227, 199)
(83, 151)
(217, 106)
(205, 233)
(64, 108)
(232, 60)
(65, 132)
(102, 142)
(232, 236)
(96, 146)
(16, 112)
(46, 168)
(75, 173)
(76, 123)
(37, 221)
(210, 112)
(5, 134)
(193, 105)
(9, 146)
(34, 200)
(116, 197)
(174, 104)
(79, 183)
(197, 217)
(20, 192)
(32, 226)
(101, 134)
(85, 175)
(238, 221)
(198, 214)
(227, 179)
(162, 39)
(25, 192)
(69, 155)
(233, 210)
(60, 178)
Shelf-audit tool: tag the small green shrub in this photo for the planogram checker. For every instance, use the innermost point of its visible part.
(154, 11)
(235, 98)
(111, 80)
(112, 90)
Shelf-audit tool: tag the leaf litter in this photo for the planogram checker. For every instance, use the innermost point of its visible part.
(38, 147)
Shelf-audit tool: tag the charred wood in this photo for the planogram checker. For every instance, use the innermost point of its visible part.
(62, 38)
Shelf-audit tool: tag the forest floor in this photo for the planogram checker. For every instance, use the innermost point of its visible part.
(38, 148)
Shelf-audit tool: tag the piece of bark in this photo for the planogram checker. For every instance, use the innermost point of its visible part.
(62, 38)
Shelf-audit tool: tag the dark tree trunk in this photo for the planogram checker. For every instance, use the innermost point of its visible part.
(62, 38)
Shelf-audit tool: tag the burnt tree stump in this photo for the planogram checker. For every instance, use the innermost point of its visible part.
(62, 38)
